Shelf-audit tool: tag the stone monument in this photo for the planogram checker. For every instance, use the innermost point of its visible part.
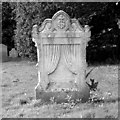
(3, 53)
(13, 53)
(61, 50)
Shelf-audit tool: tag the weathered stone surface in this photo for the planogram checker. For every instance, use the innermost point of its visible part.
(3, 53)
(13, 53)
(61, 49)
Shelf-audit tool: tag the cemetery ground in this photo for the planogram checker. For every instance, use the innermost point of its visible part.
(19, 79)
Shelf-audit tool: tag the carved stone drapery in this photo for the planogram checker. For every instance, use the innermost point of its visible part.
(61, 49)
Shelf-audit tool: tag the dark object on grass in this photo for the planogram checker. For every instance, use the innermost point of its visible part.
(17, 80)
(93, 85)
(21, 115)
(23, 102)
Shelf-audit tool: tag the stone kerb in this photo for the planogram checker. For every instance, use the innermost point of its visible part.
(61, 51)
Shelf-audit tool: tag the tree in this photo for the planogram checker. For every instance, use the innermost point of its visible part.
(101, 17)
(105, 36)
(30, 13)
(8, 25)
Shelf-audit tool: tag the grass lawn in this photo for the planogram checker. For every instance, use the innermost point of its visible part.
(19, 79)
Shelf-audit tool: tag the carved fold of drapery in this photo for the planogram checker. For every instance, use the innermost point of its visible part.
(72, 57)
(75, 62)
(51, 57)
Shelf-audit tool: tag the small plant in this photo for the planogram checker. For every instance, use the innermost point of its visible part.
(37, 103)
(93, 85)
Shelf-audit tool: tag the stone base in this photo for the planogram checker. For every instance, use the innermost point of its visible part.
(63, 96)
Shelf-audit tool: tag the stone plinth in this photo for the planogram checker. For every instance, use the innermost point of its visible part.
(61, 51)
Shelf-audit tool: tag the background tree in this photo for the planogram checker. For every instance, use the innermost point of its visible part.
(8, 25)
(103, 46)
(31, 13)
(101, 17)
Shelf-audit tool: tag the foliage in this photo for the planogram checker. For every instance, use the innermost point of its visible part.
(101, 17)
(8, 25)
(30, 13)
(103, 46)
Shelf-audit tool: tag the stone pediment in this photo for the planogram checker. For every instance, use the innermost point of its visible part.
(60, 26)
(61, 22)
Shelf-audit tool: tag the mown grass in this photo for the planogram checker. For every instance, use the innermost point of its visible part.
(18, 96)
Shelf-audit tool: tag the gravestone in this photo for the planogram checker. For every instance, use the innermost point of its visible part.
(61, 51)
(13, 53)
(3, 53)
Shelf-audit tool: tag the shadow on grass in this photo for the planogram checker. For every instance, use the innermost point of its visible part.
(100, 100)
